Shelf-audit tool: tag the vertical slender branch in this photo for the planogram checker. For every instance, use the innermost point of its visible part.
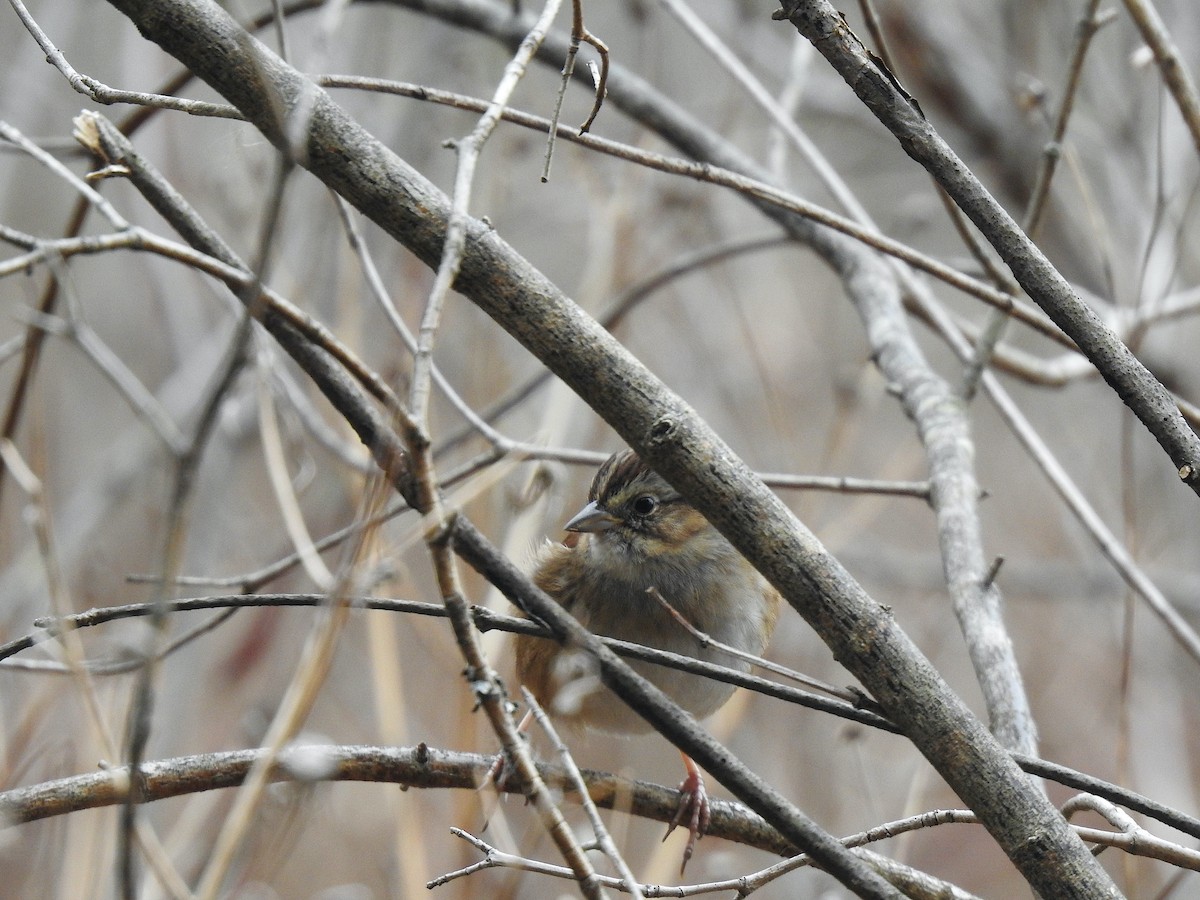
(468, 151)
(1090, 23)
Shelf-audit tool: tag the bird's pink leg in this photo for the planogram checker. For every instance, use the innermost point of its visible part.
(693, 808)
(500, 770)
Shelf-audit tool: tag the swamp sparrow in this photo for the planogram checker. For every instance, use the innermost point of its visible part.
(637, 533)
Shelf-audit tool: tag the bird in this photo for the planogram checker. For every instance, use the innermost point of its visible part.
(636, 537)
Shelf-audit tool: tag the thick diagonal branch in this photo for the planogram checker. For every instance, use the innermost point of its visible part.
(826, 28)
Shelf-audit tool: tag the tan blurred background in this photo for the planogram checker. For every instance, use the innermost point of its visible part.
(765, 346)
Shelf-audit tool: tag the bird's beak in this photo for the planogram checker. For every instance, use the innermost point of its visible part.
(591, 518)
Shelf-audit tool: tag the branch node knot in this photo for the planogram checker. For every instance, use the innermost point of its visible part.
(662, 431)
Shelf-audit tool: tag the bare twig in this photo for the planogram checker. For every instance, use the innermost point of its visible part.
(1128, 377)
(1174, 72)
(707, 640)
(102, 93)
(80, 185)
(383, 298)
(127, 384)
(1090, 22)
(603, 839)
(311, 671)
(39, 519)
(281, 481)
(468, 150)
(420, 766)
(485, 682)
(754, 188)
(579, 32)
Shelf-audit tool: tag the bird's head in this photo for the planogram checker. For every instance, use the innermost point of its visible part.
(634, 516)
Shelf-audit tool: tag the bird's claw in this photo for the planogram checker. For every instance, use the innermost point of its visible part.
(498, 772)
(693, 812)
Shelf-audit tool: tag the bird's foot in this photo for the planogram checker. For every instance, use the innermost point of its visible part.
(499, 772)
(692, 812)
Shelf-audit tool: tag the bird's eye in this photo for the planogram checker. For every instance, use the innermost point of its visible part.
(644, 505)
